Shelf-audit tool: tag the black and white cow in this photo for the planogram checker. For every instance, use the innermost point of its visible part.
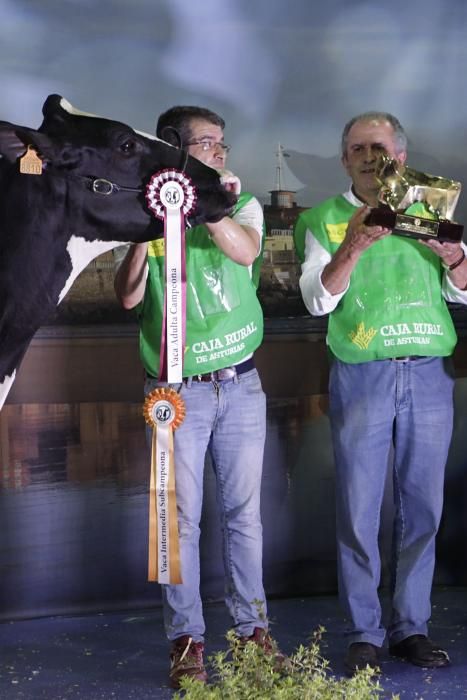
(53, 224)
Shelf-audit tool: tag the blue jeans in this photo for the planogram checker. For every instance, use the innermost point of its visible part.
(377, 410)
(228, 418)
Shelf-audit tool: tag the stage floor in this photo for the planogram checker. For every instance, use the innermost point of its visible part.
(123, 655)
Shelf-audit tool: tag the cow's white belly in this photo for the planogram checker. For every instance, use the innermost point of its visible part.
(5, 387)
(81, 253)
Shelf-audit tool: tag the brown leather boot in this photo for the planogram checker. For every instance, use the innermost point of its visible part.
(186, 659)
(263, 639)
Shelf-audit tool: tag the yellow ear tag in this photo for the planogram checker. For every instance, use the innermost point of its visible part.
(30, 163)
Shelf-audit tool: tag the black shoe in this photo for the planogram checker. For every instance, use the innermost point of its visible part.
(420, 651)
(264, 641)
(359, 656)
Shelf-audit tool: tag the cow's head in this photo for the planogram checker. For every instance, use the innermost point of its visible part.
(78, 148)
(53, 223)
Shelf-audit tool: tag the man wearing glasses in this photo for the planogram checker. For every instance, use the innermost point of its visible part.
(225, 404)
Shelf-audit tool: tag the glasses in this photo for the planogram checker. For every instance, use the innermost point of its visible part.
(208, 145)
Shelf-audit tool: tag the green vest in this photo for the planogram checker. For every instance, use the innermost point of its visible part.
(394, 305)
(224, 320)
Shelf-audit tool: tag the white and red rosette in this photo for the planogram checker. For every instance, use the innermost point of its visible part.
(168, 190)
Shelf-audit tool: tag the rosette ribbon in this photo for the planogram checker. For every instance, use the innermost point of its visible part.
(171, 196)
(164, 411)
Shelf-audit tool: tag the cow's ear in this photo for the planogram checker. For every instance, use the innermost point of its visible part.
(12, 146)
(14, 141)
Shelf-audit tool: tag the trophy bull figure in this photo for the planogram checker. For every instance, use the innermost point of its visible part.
(402, 186)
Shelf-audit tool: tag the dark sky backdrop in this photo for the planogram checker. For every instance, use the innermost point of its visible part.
(290, 72)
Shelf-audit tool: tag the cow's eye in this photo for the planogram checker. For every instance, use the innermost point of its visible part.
(129, 146)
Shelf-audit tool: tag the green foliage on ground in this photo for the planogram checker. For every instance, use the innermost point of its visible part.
(246, 672)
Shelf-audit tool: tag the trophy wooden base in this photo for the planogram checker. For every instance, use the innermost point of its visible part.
(415, 226)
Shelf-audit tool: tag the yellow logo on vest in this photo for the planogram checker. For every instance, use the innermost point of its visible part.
(156, 248)
(361, 337)
(336, 232)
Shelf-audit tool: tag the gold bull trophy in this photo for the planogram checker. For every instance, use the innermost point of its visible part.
(415, 204)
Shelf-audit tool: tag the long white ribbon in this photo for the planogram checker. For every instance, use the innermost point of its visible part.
(174, 295)
(171, 196)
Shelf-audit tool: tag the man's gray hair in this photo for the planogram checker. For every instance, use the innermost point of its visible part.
(400, 136)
